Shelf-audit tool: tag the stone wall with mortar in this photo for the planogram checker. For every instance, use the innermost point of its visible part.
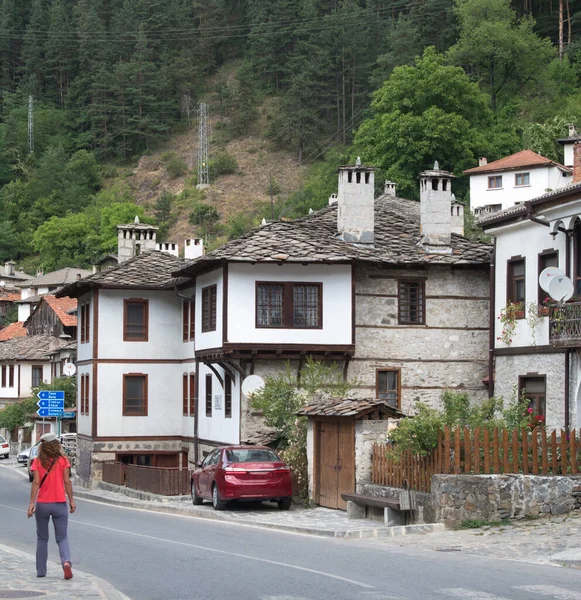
(425, 510)
(449, 352)
(496, 497)
(552, 366)
(366, 434)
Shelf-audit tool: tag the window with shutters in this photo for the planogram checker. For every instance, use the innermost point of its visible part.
(227, 396)
(387, 386)
(192, 320)
(11, 376)
(411, 302)
(209, 308)
(289, 305)
(135, 320)
(84, 322)
(3, 376)
(135, 395)
(208, 395)
(185, 321)
(192, 395)
(185, 396)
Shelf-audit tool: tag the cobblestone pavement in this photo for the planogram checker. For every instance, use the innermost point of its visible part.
(18, 575)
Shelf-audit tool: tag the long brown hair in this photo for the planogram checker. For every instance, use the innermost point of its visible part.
(49, 452)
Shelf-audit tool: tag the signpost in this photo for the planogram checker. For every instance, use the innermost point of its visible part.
(51, 403)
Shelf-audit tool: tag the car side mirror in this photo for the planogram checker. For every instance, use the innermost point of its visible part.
(199, 465)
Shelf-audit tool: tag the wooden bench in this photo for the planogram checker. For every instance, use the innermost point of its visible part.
(393, 513)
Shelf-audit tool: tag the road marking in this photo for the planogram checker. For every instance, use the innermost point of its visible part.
(549, 590)
(469, 594)
(379, 596)
(225, 552)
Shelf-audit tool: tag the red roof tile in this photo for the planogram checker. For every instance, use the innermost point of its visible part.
(522, 159)
(62, 307)
(13, 330)
(9, 296)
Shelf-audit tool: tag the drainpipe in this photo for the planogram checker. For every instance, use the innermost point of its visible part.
(567, 386)
(491, 321)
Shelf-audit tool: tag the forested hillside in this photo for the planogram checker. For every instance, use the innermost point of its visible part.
(400, 82)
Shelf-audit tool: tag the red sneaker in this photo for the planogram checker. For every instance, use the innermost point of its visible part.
(68, 570)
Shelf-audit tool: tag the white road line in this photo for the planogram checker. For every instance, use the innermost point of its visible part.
(469, 594)
(378, 596)
(224, 552)
(556, 593)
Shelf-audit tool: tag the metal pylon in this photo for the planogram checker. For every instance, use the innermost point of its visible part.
(203, 173)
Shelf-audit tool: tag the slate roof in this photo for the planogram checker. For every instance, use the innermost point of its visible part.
(347, 407)
(31, 347)
(314, 239)
(17, 274)
(62, 308)
(151, 270)
(59, 277)
(519, 160)
(12, 331)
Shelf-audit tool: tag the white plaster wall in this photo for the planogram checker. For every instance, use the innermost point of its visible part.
(336, 280)
(11, 393)
(218, 428)
(209, 339)
(85, 350)
(165, 327)
(164, 401)
(541, 180)
(23, 311)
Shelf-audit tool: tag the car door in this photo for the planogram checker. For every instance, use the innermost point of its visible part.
(206, 473)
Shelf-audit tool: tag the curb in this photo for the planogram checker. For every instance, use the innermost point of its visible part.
(103, 587)
(195, 512)
(569, 558)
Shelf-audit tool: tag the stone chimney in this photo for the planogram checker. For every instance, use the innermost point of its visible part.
(356, 206)
(482, 161)
(168, 248)
(39, 272)
(134, 238)
(389, 189)
(435, 210)
(332, 199)
(193, 248)
(457, 213)
(576, 162)
(572, 131)
(9, 267)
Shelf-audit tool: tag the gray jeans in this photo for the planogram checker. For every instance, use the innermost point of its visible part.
(60, 517)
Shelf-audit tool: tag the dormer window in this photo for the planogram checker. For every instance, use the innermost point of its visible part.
(495, 182)
(522, 179)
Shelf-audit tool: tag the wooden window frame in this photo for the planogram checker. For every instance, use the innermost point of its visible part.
(85, 323)
(33, 367)
(523, 175)
(185, 395)
(209, 308)
(511, 281)
(494, 178)
(10, 376)
(145, 394)
(132, 301)
(227, 396)
(541, 265)
(192, 394)
(82, 393)
(535, 397)
(422, 307)
(208, 395)
(288, 288)
(389, 370)
(192, 319)
(185, 321)
(3, 376)
(87, 388)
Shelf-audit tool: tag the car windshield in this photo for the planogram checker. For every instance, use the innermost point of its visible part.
(2, 440)
(250, 455)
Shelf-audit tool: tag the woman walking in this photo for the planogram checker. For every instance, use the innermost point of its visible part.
(51, 471)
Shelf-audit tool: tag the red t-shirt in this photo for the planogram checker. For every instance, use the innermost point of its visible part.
(53, 488)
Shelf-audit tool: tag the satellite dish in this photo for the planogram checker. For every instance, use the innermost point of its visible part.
(546, 276)
(252, 384)
(69, 369)
(560, 288)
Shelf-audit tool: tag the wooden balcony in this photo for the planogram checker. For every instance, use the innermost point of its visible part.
(565, 325)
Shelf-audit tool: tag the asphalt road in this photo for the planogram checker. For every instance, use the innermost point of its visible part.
(150, 556)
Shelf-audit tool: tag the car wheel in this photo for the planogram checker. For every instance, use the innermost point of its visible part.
(196, 500)
(217, 502)
(285, 503)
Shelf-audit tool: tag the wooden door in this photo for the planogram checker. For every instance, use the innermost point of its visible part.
(336, 464)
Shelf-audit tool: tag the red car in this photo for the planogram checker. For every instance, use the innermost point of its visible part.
(242, 473)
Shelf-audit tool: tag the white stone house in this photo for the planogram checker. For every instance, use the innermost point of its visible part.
(135, 359)
(514, 179)
(10, 276)
(542, 358)
(387, 287)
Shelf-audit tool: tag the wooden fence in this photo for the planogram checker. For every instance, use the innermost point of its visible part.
(156, 480)
(481, 451)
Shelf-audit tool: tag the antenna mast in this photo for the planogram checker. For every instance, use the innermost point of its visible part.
(203, 174)
(30, 125)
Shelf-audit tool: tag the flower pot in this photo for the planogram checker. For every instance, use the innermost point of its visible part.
(543, 311)
(519, 314)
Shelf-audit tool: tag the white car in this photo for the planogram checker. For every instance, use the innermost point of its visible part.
(23, 456)
(4, 448)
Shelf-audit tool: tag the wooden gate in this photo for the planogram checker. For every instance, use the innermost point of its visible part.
(335, 466)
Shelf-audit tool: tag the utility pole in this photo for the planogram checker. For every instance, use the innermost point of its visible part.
(30, 125)
(271, 198)
(203, 173)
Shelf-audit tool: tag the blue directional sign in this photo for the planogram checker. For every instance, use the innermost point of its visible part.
(49, 412)
(51, 395)
(60, 404)
(68, 415)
